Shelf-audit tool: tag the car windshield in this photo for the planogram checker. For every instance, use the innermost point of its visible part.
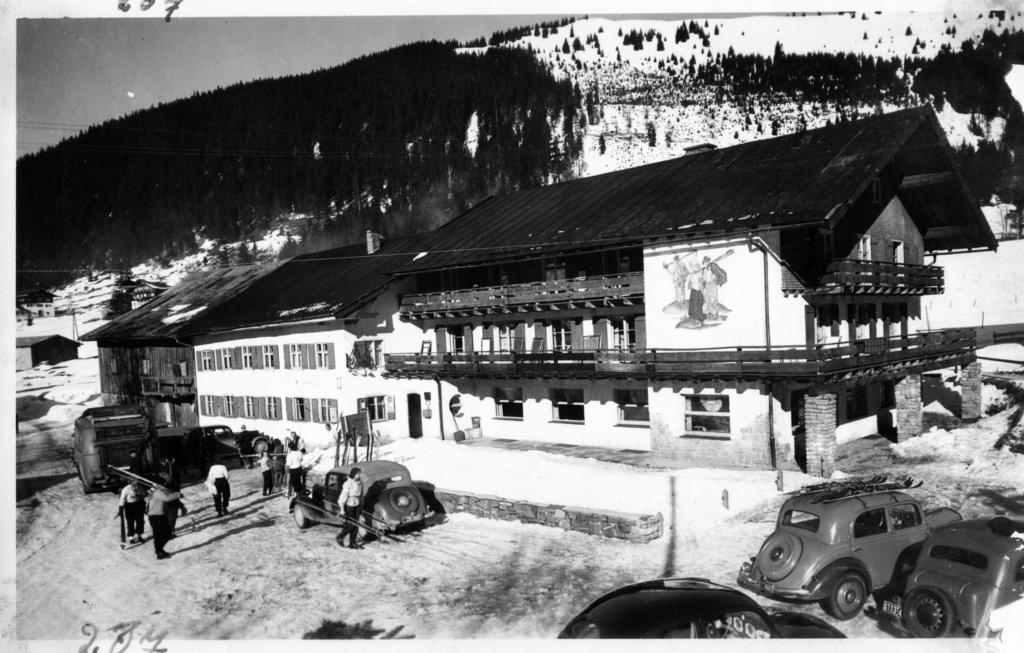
(801, 519)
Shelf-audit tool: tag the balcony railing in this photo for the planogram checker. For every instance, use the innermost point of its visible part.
(585, 292)
(173, 386)
(854, 277)
(917, 352)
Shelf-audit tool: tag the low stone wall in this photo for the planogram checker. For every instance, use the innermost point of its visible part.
(624, 526)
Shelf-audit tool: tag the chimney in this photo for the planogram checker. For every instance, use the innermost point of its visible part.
(372, 241)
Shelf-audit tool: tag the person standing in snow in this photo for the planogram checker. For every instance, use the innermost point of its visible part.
(217, 484)
(268, 474)
(277, 463)
(294, 463)
(160, 500)
(351, 500)
(175, 508)
(132, 505)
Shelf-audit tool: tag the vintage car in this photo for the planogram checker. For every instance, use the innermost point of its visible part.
(838, 542)
(964, 572)
(691, 608)
(390, 499)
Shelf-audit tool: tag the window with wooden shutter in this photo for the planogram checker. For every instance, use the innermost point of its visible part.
(218, 403)
(199, 361)
(576, 328)
(332, 407)
(331, 361)
(308, 357)
(236, 358)
(315, 411)
(442, 340)
(519, 344)
(288, 409)
(390, 406)
(640, 325)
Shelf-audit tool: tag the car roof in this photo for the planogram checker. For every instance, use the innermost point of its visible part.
(637, 609)
(990, 535)
(853, 504)
(373, 470)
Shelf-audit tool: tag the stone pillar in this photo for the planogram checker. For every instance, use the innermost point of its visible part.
(820, 430)
(970, 391)
(908, 407)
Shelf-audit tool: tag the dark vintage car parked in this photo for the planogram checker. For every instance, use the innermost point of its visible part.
(965, 571)
(838, 542)
(689, 608)
(390, 499)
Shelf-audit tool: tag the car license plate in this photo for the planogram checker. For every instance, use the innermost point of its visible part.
(892, 608)
(758, 581)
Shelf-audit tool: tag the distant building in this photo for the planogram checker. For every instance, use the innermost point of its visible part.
(141, 357)
(37, 302)
(52, 349)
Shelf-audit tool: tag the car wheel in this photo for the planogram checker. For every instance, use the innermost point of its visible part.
(302, 520)
(928, 613)
(403, 500)
(259, 446)
(779, 555)
(847, 597)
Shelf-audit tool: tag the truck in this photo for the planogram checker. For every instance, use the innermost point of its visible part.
(108, 435)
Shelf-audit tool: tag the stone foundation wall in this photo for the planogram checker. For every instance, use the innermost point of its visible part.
(625, 526)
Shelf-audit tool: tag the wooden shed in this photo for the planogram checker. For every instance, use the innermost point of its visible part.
(51, 349)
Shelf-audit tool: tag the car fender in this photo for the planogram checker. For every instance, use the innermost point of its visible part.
(821, 582)
(970, 598)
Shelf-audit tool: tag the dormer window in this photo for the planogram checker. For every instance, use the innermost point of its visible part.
(864, 248)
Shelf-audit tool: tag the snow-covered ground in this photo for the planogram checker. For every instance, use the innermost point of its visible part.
(252, 574)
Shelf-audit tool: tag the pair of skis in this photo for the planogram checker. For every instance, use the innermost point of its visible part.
(131, 476)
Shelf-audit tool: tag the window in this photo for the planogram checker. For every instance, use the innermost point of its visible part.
(624, 334)
(295, 356)
(707, 414)
(561, 336)
(249, 407)
(904, 517)
(869, 523)
(506, 337)
(632, 405)
(247, 356)
(864, 248)
(898, 254)
(145, 366)
(323, 356)
(273, 408)
(269, 356)
(567, 404)
(226, 359)
(800, 519)
(865, 318)
(207, 405)
(366, 354)
(229, 406)
(301, 409)
(328, 411)
(456, 340)
(206, 360)
(376, 407)
(509, 402)
(827, 321)
(959, 556)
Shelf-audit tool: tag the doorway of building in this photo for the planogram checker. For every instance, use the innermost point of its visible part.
(796, 401)
(415, 417)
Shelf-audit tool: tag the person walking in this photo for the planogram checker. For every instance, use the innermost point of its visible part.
(175, 507)
(160, 500)
(294, 463)
(268, 474)
(132, 505)
(217, 484)
(351, 500)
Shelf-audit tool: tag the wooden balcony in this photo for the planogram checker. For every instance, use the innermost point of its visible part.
(821, 364)
(563, 294)
(172, 386)
(853, 277)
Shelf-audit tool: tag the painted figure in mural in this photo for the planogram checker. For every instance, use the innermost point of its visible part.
(679, 270)
(703, 280)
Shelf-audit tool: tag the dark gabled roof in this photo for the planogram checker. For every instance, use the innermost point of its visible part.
(29, 341)
(174, 309)
(332, 283)
(810, 177)
(36, 296)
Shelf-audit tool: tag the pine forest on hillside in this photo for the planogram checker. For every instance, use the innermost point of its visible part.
(404, 140)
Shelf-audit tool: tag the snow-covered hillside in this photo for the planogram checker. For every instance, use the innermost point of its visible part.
(638, 90)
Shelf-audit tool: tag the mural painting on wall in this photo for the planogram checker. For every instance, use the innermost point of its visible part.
(696, 281)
